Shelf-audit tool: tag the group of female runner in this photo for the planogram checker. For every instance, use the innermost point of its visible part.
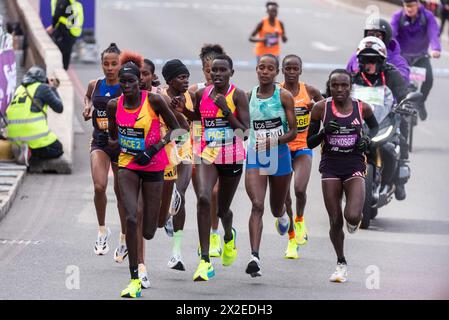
(159, 137)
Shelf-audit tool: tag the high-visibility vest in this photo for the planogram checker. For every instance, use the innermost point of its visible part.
(76, 21)
(25, 126)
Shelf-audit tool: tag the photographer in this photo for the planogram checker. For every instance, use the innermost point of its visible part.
(27, 117)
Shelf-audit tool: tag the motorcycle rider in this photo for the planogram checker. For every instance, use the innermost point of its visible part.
(416, 29)
(374, 72)
(381, 29)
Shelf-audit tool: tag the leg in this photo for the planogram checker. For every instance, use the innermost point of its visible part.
(256, 188)
(99, 164)
(333, 193)
(226, 190)
(427, 85)
(214, 208)
(129, 183)
(279, 186)
(184, 177)
(205, 178)
(288, 207)
(165, 203)
(121, 210)
(355, 197)
(151, 194)
(302, 166)
(140, 239)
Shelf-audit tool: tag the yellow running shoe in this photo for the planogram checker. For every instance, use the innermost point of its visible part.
(292, 250)
(134, 289)
(301, 233)
(215, 246)
(204, 272)
(230, 250)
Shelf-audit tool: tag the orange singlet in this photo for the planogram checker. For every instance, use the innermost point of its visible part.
(273, 34)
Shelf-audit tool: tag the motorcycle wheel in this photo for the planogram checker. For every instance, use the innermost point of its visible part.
(367, 209)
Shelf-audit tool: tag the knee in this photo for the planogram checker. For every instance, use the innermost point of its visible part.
(335, 224)
(131, 221)
(257, 208)
(148, 234)
(223, 214)
(300, 194)
(100, 188)
(204, 201)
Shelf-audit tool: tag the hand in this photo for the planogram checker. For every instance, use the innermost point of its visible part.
(178, 103)
(54, 82)
(50, 30)
(284, 38)
(155, 82)
(220, 101)
(331, 127)
(87, 112)
(103, 139)
(144, 158)
(363, 143)
(435, 54)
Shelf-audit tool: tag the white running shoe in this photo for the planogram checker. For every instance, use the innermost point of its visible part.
(341, 273)
(176, 263)
(169, 227)
(253, 268)
(101, 245)
(352, 229)
(144, 279)
(120, 253)
(175, 203)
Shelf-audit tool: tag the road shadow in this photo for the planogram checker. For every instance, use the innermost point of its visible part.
(396, 225)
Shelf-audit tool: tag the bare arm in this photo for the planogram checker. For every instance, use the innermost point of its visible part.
(289, 105)
(112, 123)
(284, 36)
(87, 112)
(315, 136)
(160, 106)
(253, 37)
(370, 120)
(241, 102)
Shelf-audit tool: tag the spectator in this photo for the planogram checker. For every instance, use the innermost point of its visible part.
(444, 14)
(67, 26)
(27, 117)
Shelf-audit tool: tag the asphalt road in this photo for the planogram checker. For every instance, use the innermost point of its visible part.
(407, 245)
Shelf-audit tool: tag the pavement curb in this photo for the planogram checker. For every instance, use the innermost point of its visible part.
(11, 177)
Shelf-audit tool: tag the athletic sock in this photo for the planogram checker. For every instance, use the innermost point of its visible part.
(341, 260)
(102, 229)
(122, 238)
(177, 237)
(141, 268)
(134, 270)
(215, 231)
(255, 254)
(299, 219)
(205, 257)
(291, 235)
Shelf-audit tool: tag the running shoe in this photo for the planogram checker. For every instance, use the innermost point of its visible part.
(175, 203)
(101, 245)
(120, 253)
(215, 246)
(301, 233)
(230, 250)
(281, 228)
(144, 279)
(292, 250)
(134, 289)
(351, 228)
(341, 273)
(204, 272)
(169, 227)
(253, 268)
(176, 263)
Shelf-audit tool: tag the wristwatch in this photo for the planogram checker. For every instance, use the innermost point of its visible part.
(226, 112)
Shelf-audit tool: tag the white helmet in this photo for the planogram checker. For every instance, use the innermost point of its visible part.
(372, 47)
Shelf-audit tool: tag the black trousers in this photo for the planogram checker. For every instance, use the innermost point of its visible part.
(424, 62)
(65, 41)
(51, 151)
(444, 17)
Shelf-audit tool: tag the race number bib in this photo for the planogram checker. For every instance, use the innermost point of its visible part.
(375, 96)
(302, 119)
(218, 132)
(271, 39)
(418, 74)
(265, 129)
(344, 141)
(131, 140)
(101, 119)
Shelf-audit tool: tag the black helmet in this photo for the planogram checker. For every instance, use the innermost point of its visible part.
(382, 25)
(34, 74)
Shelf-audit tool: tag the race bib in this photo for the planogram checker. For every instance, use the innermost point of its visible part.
(418, 74)
(131, 140)
(218, 132)
(101, 118)
(264, 129)
(271, 39)
(344, 141)
(375, 96)
(302, 119)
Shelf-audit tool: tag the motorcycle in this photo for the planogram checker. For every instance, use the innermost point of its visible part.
(384, 167)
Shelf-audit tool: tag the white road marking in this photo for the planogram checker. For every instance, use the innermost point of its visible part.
(324, 47)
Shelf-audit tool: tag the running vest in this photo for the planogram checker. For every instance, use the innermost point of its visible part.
(75, 20)
(267, 117)
(27, 126)
(302, 114)
(343, 142)
(183, 142)
(218, 144)
(273, 34)
(101, 95)
(137, 130)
